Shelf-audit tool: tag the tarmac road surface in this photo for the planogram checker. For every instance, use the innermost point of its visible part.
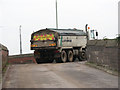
(54, 75)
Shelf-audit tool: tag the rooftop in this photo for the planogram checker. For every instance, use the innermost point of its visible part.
(68, 31)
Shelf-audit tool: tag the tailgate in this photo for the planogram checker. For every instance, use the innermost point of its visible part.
(40, 40)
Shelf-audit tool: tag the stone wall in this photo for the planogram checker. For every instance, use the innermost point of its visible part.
(4, 55)
(104, 53)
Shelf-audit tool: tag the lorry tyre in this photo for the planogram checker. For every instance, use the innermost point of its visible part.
(82, 55)
(70, 56)
(49, 60)
(40, 61)
(58, 60)
(43, 60)
(37, 60)
(63, 56)
(74, 58)
(46, 60)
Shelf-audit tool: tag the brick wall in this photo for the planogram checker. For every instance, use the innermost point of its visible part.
(104, 53)
(4, 55)
(22, 59)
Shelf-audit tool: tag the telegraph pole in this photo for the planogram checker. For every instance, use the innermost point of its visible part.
(20, 40)
(56, 16)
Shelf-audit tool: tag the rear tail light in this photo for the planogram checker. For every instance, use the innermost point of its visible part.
(33, 45)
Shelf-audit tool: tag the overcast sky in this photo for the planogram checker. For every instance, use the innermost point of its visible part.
(33, 15)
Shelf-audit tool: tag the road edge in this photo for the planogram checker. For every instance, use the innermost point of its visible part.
(5, 75)
(102, 68)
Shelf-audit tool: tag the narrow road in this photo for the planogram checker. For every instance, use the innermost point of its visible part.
(63, 75)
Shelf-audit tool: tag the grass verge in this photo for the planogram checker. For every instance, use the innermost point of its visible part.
(4, 69)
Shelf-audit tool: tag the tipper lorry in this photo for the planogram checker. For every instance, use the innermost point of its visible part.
(61, 45)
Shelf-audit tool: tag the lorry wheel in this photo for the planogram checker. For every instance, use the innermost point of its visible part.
(46, 60)
(43, 61)
(70, 56)
(58, 60)
(38, 61)
(74, 58)
(63, 56)
(50, 60)
(82, 55)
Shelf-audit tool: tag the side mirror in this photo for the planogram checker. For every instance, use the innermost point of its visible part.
(96, 33)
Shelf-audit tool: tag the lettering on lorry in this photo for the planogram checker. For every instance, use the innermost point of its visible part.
(67, 41)
(43, 37)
